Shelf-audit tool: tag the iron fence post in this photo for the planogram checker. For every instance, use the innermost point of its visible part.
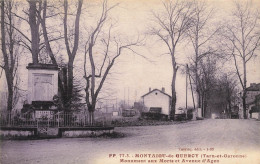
(58, 120)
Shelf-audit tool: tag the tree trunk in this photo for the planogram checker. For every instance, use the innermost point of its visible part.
(71, 54)
(34, 31)
(45, 34)
(8, 60)
(205, 105)
(173, 104)
(91, 116)
(91, 110)
(65, 84)
(10, 98)
(70, 80)
(244, 89)
(244, 104)
(229, 108)
(202, 105)
(174, 96)
(9, 77)
(197, 85)
(199, 98)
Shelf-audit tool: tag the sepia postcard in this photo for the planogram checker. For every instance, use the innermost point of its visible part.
(130, 81)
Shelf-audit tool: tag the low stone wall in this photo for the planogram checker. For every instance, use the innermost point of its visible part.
(15, 134)
(256, 115)
(84, 133)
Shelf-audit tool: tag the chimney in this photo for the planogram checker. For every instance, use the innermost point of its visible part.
(150, 89)
(163, 89)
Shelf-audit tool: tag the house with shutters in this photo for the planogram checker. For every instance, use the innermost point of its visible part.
(157, 101)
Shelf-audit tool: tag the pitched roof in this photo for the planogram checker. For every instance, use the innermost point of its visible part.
(156, 90)
(253, 87)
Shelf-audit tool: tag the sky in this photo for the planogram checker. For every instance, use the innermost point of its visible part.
(133, 75)
(138, 74)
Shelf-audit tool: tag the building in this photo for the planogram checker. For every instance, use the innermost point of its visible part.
(157, 101)
(129, 112)
(254, 108)
(251, 92)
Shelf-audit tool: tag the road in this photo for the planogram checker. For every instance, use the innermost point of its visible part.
(235, 137)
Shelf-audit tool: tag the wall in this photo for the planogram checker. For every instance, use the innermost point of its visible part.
(12, 134)
(84, 133)
(160, 100)
(255, 115)
(15, 133)
(250, 96)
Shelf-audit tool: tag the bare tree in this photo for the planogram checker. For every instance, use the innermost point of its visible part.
(66, 76)
(45, 33)
(222, 95)
(10, 50)
(71, 53)
(217, 89)
(200, 34)
(171, 26)
(62, 78)
(37, 16)
(32, 43)
(229, 85)
(208, 71)
(243, 41)
(34, 23)
(98, 71)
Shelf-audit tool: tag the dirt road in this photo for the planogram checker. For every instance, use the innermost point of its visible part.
(235, 137)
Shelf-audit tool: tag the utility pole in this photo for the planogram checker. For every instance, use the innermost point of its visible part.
(124, 96)
(116, 104)
(135, 95)
(128, 97)
(106, 106)
(191, 87)
(187, 92)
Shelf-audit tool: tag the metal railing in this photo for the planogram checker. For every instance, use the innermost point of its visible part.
(15, 119)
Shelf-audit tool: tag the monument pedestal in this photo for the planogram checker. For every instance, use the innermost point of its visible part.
(42, 86)
(42, 82)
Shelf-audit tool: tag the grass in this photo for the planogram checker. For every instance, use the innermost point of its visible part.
(133, 121)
